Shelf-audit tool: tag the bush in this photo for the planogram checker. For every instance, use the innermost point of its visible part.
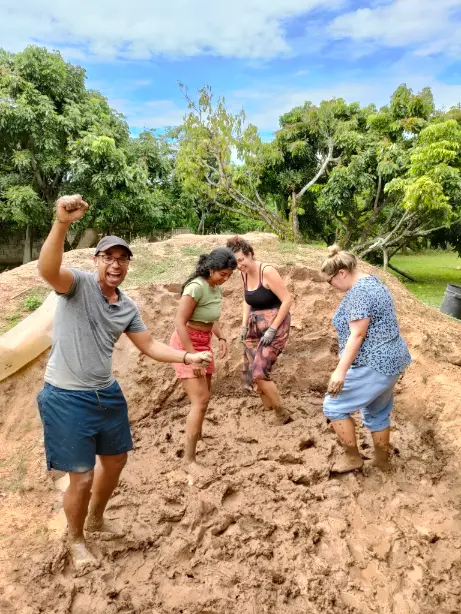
(32, 303)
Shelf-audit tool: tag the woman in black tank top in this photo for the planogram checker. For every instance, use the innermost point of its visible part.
(265, 324)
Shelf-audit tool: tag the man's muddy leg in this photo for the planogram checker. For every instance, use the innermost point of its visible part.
(76, 500)
(106, 476)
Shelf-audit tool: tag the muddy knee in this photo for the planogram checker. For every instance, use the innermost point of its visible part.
(81, 483)
(201, 403)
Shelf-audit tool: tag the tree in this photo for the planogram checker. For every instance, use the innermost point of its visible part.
(401, 183)
(312, 140)
(208, 138)
(428, 196)
(56, 137)
(264, 172)
(36, 91)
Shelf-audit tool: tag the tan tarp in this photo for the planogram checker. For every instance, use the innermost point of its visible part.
(28, 339)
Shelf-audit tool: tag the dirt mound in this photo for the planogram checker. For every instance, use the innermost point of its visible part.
(272, 532)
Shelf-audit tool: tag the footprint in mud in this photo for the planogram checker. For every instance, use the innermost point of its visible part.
(246, 439)
(306, 443)
(173, 511)
(57, 525)
(232, 499)
(287, 458)
(199, 476)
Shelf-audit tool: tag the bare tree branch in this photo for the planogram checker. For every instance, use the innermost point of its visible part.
(250, 206)
(260, 200)
(328, 158)
(405, 217)
(232, 210)
(396, 241)
(259, 208)
(378, 194)
(276, 221)
(424, 233)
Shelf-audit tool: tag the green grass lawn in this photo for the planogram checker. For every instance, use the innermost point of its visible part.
(433, 270)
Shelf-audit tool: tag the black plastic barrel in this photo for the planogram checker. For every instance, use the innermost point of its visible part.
(452, 301)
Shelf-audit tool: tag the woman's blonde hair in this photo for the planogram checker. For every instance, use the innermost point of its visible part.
(338, 259)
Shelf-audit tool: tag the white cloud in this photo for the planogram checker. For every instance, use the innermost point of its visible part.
(426, 24)
(140, 29)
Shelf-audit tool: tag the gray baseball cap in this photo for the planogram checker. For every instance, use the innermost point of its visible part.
(108, 242)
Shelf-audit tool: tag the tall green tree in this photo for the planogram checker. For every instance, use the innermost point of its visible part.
(268, 180)
(400, 183)
(208, 139)
(56, 137)
(312, 140)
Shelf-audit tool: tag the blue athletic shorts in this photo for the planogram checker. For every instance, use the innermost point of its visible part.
(367, 390)
(79, 424)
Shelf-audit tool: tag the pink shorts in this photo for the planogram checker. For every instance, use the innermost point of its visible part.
(201, 342)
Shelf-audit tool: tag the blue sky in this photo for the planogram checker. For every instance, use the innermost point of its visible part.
(263, 55)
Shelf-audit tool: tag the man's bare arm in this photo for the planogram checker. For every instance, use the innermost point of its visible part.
(68, 209)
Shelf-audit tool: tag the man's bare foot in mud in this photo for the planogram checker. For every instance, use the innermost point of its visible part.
(102, 525)
(198, 475)
(82, 559)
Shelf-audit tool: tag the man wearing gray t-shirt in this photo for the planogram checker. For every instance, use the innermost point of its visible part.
(83, 409)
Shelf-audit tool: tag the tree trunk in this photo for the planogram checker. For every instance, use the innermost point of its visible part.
(27, 256)
(385, 258)
(201, 226)
(294, 218)
(330, 238)
(394, 268)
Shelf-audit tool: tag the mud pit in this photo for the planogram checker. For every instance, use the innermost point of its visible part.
(272, 532)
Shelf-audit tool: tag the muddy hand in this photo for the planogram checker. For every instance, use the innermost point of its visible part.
(201, 359)
(222, 348)
(268, 336)
(70, 208)
(198, 372)
(336, 384)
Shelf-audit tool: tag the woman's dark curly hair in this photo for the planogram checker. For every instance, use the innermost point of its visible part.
(238, 244)
(219, 259)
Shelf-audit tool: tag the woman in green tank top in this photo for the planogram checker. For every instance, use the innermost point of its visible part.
(196, 323)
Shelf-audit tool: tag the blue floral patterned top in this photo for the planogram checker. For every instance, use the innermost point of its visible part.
(383, 348)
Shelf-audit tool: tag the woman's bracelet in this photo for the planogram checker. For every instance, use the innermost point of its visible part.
(184, 357)
(222, 339)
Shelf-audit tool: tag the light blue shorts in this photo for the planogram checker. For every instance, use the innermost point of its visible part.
(367, 390)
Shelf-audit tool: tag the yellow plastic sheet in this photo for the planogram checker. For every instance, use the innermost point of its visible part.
(28, 339)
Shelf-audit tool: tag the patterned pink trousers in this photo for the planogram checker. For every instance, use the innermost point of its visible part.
(258, 358)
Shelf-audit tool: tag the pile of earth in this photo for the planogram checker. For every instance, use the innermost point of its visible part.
(273, 531)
